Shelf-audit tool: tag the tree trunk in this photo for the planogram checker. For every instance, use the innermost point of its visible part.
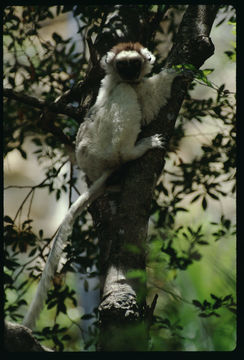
(121, 218)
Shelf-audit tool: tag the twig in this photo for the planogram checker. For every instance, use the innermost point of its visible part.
(31, 201)
(23, 202)
(150, 311)
(74, 187)
(175, 296)
(18, 187)
(70, 185)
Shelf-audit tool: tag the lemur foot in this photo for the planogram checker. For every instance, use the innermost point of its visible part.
(158, 141)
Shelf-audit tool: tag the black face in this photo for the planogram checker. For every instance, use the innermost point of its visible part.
(129, 69)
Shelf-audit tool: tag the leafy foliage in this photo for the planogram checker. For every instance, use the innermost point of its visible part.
(49, 66)
(207, 309)
(56, 334)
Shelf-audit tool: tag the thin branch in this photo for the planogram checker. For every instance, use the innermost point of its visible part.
(18, 187)
(40, 255)
(57, 108)
(75, 188)
(70, 185)
(33, 188)
(167, 291)
(23, 202)
(30, 205)
(193, 44)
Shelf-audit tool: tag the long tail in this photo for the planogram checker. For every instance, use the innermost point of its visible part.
(64, 231)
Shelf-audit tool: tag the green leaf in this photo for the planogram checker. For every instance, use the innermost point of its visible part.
(204, 203)
(87, 316)
(213, 196)
(206, 72)
(58, 193)
(22, 152)
(57, 38)
(8, 219)
(195, 198)
(66, 337)
(197, 303)
(22, 284)
(214, 297)
(33, 251)
(233, 310)
(203, 315)
(137, 274)
(202, 242)
(36, 141)
(26, 222)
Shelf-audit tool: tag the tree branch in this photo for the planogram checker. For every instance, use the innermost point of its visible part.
(57, 108)
(86, 90)
(193, 44)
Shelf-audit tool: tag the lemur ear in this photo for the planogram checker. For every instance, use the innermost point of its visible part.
(107, 59)
(148, 55)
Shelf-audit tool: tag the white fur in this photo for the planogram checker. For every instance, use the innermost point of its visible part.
(148, 55)
(153, 93)
(108, 136)
(128, 54)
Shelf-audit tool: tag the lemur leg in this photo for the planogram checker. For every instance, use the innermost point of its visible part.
(143, 145)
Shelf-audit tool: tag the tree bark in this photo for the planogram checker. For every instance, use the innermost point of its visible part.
(121, 218)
